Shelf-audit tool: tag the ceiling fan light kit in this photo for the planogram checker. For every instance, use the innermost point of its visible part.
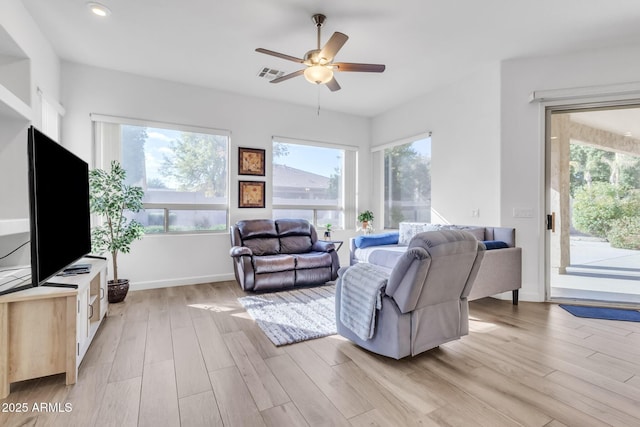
(318, 74)
(319, 61)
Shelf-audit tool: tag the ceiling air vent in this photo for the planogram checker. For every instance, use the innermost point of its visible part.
(270, 73)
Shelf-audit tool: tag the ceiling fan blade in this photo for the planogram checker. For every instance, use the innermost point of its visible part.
(333, 85)
(333, 45)
(288, 76)
(279, 55)
(367, 68)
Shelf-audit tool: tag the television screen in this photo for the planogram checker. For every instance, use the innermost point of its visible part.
(59, 207)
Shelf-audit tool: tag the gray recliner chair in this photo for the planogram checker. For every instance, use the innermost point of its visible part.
(422, 301)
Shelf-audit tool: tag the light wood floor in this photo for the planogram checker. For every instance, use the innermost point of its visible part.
(191, 356)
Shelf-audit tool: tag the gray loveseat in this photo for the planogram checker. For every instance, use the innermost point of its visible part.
(276, 254)
(500, 271)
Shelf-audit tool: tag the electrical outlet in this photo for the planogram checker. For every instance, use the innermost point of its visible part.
(475, 213)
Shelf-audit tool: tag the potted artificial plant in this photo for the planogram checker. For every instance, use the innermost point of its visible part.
(110, 197)
(327, 231)
(365, 218)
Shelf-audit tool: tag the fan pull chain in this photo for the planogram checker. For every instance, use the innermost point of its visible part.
(318, 100)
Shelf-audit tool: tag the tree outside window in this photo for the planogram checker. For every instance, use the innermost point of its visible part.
(184, 176)
(407, 183)
(605, 195)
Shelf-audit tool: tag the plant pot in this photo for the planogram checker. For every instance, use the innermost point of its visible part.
(365, 224)
(117, 291)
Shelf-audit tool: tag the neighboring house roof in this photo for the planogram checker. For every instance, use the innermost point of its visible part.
(288, 177)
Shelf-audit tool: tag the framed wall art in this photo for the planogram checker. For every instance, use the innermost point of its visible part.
(251, 194)
(250, 161)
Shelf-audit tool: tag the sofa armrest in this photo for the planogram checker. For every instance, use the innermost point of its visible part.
(237, 251)
(500, 271)
(322, 246)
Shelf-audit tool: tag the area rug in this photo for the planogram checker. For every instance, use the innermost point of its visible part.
(292, 316)
(603, 313)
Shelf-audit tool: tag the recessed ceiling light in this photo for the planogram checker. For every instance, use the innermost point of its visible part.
(99, 9)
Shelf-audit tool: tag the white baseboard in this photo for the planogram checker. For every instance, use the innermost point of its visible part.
(522, 296)
(530, 296)
(182, 281)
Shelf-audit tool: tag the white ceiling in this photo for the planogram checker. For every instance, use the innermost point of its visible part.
(621, 121)
(424, 43)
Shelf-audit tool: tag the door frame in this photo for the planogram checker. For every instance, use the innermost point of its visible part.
(549, 110)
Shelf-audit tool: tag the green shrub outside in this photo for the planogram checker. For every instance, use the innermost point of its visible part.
(597, 206)
(625, 233)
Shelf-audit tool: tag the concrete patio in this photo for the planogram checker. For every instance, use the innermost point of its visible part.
(599, 272)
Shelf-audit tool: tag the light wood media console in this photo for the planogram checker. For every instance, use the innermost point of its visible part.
(47, 330)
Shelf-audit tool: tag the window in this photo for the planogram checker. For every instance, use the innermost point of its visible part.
(309, 181)
(182, 170)
(407, 182)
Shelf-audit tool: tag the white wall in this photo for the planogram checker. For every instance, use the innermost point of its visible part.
(465, 144)
(184, 259)
(45, 73)
(488, 142)
(45, 65)
(522, 148)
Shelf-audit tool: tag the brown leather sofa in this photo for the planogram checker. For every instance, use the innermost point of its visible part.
(276, 254)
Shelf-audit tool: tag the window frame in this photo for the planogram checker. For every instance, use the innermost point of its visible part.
(103, 156)
(348, 183)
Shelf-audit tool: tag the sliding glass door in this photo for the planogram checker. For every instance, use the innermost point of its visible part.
(593, 202)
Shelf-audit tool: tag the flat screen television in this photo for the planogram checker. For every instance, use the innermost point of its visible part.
(58, 205)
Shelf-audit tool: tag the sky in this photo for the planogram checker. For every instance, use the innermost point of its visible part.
(319, 160)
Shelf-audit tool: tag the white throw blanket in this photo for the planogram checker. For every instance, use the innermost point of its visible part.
(361, 296)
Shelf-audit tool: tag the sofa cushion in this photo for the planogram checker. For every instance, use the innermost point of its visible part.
(312, 260)
(293, 227)
(256, 228)
(273, 263)
(409, 229)
(495, 244)
(295, 244)
(263, 246)
(376, 240)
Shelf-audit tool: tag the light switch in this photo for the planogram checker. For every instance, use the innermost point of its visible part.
(522, 213)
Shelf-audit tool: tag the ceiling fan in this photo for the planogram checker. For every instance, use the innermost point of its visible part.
(319, 61)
